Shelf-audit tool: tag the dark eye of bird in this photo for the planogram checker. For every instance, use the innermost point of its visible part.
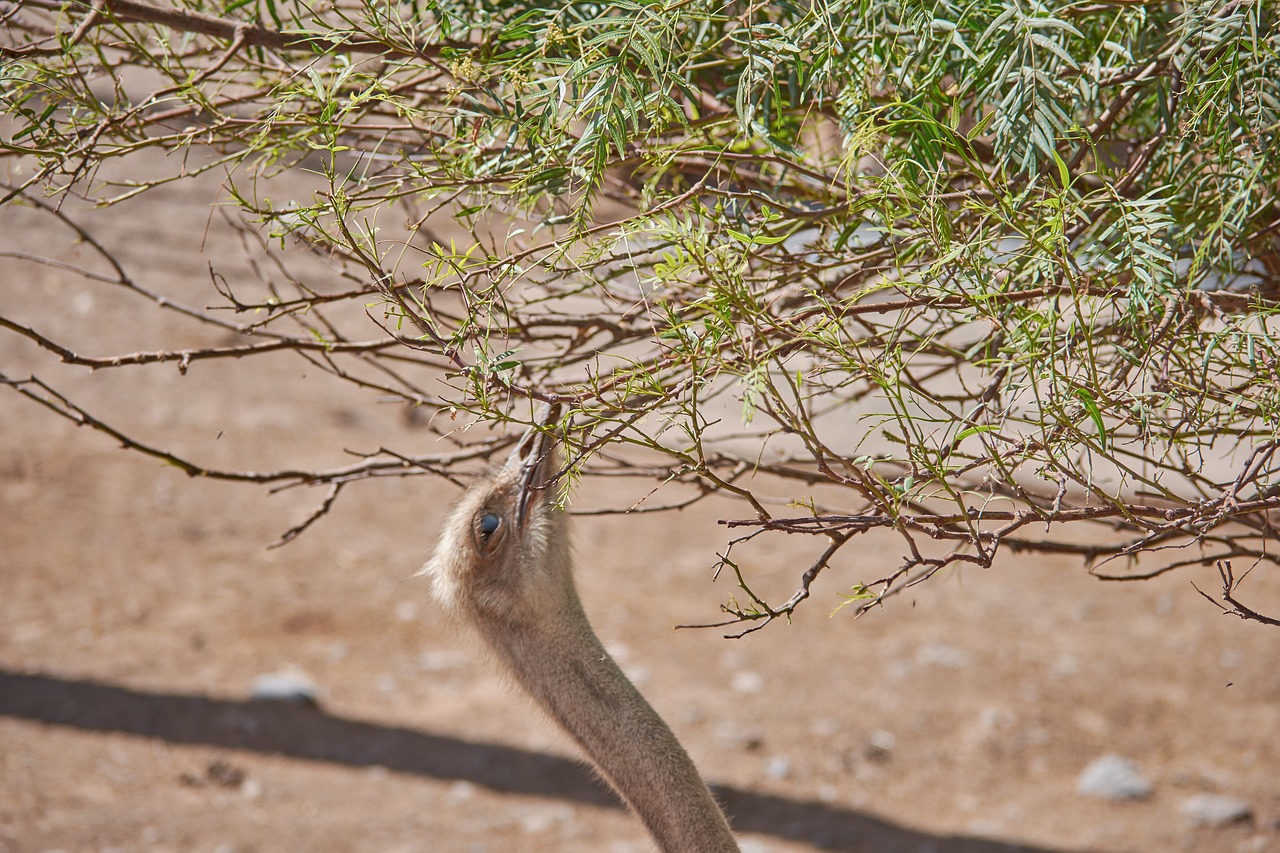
(488, 524)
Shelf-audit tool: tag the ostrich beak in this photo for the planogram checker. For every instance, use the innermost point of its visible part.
(533, 460)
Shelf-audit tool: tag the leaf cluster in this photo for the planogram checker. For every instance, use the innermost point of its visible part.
(942, 268)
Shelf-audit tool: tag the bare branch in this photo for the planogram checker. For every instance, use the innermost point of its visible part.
(1229, 585)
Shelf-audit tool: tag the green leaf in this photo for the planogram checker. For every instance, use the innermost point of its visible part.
(975, 430)
(1095, 414)
(1064, 175)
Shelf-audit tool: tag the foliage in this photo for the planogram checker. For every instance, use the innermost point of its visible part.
(993, 275)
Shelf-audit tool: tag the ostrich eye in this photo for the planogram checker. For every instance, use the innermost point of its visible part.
(488, 525)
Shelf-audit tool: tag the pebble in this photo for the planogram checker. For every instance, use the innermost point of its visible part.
(544, 819)
(288, 685)
(880, 744)
(1112, 777)
(732, 736)
(1215, 809)
(638, 674)
(461, 791)
(777, 767)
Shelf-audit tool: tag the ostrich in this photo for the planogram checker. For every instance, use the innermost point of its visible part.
(503, 566)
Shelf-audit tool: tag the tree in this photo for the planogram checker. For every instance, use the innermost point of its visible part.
(992, 275)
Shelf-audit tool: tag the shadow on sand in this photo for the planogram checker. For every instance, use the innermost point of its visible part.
(313, 735)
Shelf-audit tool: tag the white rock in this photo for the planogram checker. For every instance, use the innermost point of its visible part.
(461, 791)
(545, 819)
(1113, 778)
(290, 684)
(881, 740)
(1215, 809)
(638, 673)
(777, 767)
(995, 719)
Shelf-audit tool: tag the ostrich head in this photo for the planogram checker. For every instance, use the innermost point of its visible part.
(503, 555)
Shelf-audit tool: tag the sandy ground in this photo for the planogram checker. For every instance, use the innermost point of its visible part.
(137, 606)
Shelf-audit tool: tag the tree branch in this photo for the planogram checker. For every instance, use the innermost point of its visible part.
(240, 32)
(1229, 584)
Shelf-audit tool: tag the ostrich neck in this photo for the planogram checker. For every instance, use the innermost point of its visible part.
(562, 664)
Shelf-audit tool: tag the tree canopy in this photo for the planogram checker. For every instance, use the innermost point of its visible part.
(995, 275)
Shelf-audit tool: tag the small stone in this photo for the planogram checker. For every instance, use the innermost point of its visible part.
(637, 673)
(460, 792)
(746, 681)
(731, 736)
(995, 719)
(288, 685)
(879, 745)
(1113, 778)
(777, 767)
(224, 774)
(1215, 810)
(546, 818)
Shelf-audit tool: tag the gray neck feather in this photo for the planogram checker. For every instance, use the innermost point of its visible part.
(581, 687)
